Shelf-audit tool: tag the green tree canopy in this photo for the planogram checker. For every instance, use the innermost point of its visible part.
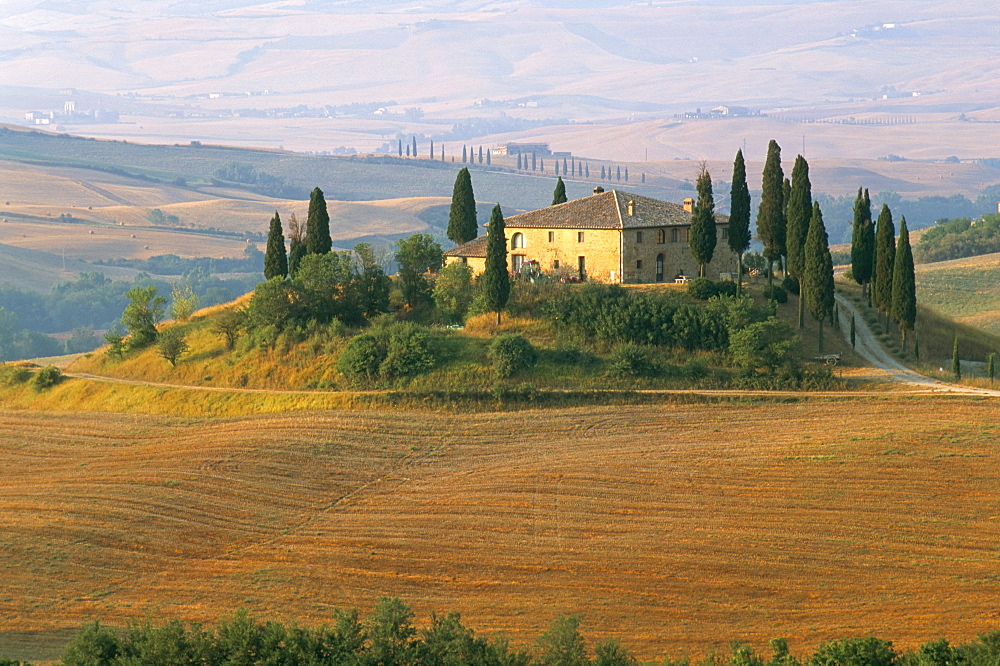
(318, 225)
(373, 284)
(144, 310)
(495, 281)
(799, 215)
(904, 290)
(453, 291)
(275, 259)
(885, 256)
(703, 235)
(559, 194)
(817, 283)
(862, 241)
(771, 213)
(739, 215)
(415, 256)
(296, 244)
(462, 223)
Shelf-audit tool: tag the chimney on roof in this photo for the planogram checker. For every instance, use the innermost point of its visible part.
(689, 205)
(598, 190)
(631, 208)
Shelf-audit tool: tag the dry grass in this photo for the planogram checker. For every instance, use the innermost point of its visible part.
(675, 527)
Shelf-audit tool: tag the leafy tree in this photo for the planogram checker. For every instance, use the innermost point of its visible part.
(275, 302)
(373, 285)
(296, 244)
(93, 644)
(780, 654)
(328, 284)
(703, 235)
(770, 214)
(462, 223)
(116, 343)
(799, 214)
(172, 344)
(862, 242)
(318, 225)
(559, 194)
(46, 378)
(612, 653)
(869, 651)
(453, 291)
(275, 259)
(183, 302)
(415, 256)
(739, 216)
(391, 633)
(885, 256)
(763, 345)
(562, 644)
(817, 283)
(512, 354)
(144, 310)
(229, 323)
(495, 280)
(904, 290)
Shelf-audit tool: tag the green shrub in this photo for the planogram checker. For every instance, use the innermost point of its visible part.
(631, 360)
(400, 349)
(46, 378)
(725, 288)
(776, 294)
(790, 284)
(701, 289)
(512, 354)
(572, 354)
(13, 375)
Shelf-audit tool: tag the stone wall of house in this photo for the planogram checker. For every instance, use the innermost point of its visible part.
(644, 247)
(560, 256)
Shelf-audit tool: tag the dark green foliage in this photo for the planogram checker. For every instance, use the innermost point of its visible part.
(275, 259)
(775, 293)
(790, 283)
(612, 653)
(330, 288)
(956, 362)
(141, 315)
(512, 354)
(739, 213)
(959, 237)
(391, 633)
(743, 655)
(370, 282)
(116, 343)
(780, 654)
(453, 292)
(991, 362)
(904, 290)
(14, 375)
(462, 223)
(701, 288)
(699, 328)
(172, 344)
(611, 314)
(229, 324)
(46, 378)
(885, 257)
(296, 244)
(402, 349)
(703, 237)
(763, 346)
(93, 645)
(495, 280)
(562, 644)
(817, 283)
(869, 651)
(317, 237)
(854, 331)
(276, 302)
(559, 194)
(799, 214)
(631, 360)
(771, 213)
(416, 256)
(725, 288)
(862, 240)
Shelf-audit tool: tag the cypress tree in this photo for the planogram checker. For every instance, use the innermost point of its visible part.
(739, 216)
(519, 161)
(541, 164)
(572, 167)
(407, 150)
(885, 254)
(904, 290)
(770, 214)
(817, 280)
(275, 260)
(401, 147)
(703, 236)
(442, 153)
(465, 156)
(862, 242)
(853, 331)
(618, 175)
(318, 225)
(643, 177)
(496, 279)
(626, 174)
(414, 145)
(489, 160)
(462, 223)
(565, 166)
(559, 195)
(557, 167)
(587, 170)
(602, 172)
(480, 154)
(296, 244)
(534, 162)
(798, 214)
(956, 363)
(991, 367)
(432, 148)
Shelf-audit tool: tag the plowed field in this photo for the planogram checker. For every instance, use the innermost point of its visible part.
(674, 527)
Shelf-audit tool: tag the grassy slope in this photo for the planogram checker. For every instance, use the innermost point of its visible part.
(966, 289)
(676, 528)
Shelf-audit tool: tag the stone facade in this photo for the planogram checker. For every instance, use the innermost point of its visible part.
(611, 236)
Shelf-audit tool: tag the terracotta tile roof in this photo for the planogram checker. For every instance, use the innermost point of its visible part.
(607, 210)
(474, 248)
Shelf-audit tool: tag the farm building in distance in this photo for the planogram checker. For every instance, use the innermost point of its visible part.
(611, 236)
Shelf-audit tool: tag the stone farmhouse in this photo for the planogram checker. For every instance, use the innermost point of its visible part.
(612, 236)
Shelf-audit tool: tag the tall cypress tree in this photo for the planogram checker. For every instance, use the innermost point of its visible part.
(771, 213)
(296, 244)
(904, 290)
(495, 280)
(798, 214)
(557, 167)
(559, 194)
(885, 255)
(586, 170)
(739, 216)
(519, 161)
(318, 225)
(275, 259)
(462, 223)
(489, 160)
(432, 148)
(401, 147)
(534, 162)
(414, 145)
(703, 236)
(480, 154)
(817, 280)
(861, 253)
(465, 155)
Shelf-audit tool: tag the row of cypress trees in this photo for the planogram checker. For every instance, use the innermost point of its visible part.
(314, 239)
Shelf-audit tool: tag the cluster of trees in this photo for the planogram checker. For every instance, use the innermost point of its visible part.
(252, 261)
(390, 636)
(959, 237)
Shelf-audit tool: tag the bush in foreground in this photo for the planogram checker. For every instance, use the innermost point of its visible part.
(512, 354)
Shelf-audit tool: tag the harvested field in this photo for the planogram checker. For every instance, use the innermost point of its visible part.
(674, 527)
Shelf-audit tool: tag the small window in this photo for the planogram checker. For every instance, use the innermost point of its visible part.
(725, 233)
(674, 235)
(638, 264)
(638, 237)
(552, 236)
(579, 237)
(687, 234)
(517, 242)
(661, 236)
(555, 264)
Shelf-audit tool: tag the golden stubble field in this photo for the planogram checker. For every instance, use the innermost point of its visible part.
(675, 527)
